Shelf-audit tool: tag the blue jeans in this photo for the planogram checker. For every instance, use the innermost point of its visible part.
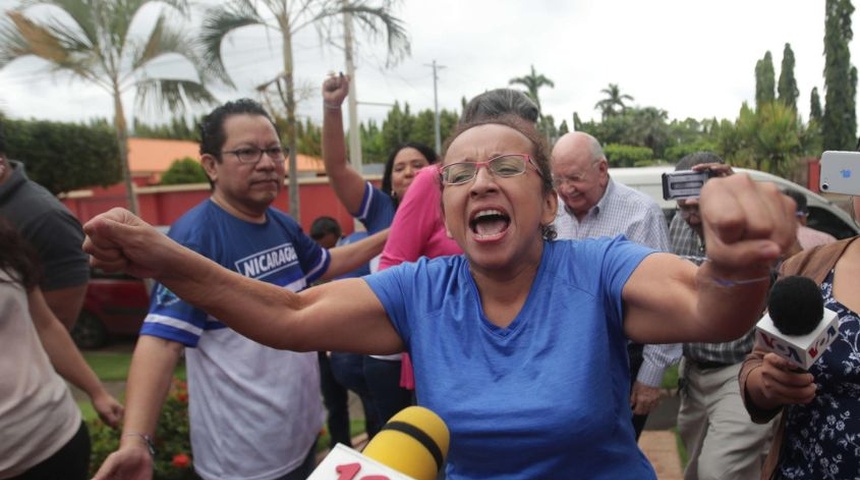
(336, 403)
(383, 380)
(348, 370)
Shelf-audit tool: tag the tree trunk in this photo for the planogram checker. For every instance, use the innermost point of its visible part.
(354, 130)
(122, 140)
(291, 119)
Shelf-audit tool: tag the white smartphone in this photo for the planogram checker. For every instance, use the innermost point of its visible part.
(840, 172)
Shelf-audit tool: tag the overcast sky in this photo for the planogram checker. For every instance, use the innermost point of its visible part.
(692, 58)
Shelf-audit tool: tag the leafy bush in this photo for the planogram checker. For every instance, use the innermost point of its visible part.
(677, 152)
(628, 155)
(64, 156)
(184, 170)
(173, 459)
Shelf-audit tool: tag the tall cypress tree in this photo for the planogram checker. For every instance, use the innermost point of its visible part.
(852, 108)
(840, 78)
(815, 106)
(764, 80)
(787, 88)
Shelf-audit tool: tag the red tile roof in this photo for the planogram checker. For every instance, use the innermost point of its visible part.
(152, 157)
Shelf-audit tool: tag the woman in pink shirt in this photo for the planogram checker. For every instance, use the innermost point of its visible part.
(418, 230)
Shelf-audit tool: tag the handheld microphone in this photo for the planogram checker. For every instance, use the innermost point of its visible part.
(412, 445)
(797, 327)
(795, 305)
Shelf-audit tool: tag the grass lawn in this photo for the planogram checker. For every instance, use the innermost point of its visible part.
(670, 377)
(87, 411)
(356, 428)
(112, 367)
(109, 366)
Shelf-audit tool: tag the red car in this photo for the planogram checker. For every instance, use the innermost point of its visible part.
(115, 305)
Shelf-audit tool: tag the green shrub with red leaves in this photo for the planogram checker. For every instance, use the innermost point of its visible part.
(173, 459)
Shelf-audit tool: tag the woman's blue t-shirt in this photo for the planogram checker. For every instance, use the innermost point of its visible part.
(546, 397)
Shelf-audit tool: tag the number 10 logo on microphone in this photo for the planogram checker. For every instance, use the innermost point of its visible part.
(344, 463)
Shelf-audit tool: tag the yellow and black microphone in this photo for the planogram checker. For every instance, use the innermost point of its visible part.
(413, 442)
(412, 445)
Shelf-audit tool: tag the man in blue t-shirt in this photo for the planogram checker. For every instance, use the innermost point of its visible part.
(255, 411)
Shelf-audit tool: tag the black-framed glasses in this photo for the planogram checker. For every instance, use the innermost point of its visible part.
(688, 210)
(254, 154)
(507, 165)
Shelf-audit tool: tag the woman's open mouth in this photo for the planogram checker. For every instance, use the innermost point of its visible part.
(488, 224)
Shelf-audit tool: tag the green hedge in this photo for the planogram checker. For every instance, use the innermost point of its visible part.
(628, 155)
(183, 171)
(64, 156)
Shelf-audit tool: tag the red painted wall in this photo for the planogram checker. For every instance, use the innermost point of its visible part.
(163, 205)
(813, 169)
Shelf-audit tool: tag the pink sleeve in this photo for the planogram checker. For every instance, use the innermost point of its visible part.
(415, 220)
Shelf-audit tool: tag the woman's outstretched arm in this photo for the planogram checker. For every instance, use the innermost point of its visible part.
(342, 315)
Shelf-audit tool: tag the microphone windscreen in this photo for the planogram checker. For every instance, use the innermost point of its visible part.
(795, 305)
(413, 442)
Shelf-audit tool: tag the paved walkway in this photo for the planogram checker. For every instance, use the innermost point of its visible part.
(658, 440)
(661, 449)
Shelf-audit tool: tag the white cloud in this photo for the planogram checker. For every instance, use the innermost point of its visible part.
(692, 58)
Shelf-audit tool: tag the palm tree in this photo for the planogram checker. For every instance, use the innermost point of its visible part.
(92, 43)
(650, 129)
(287, 18)
(533, 82)
(613, 99)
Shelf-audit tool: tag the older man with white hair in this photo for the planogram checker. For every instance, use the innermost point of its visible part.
(591, 204)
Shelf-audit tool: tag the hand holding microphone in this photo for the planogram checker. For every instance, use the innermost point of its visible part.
(797, 327)
(796, 331)
(783, 384)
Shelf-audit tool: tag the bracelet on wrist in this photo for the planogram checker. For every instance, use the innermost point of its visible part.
(724, 282)
(331, 106)
(727, 282)
(146, 438)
